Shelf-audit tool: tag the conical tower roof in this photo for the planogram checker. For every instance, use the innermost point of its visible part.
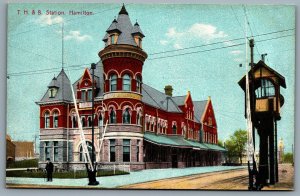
(125, 29)
(64, 92)
(137, 30)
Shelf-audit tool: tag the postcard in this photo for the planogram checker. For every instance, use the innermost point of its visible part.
(150, 96)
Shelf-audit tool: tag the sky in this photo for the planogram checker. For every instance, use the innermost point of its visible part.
(192, 47)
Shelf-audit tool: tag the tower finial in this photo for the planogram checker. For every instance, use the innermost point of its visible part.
(123, 10)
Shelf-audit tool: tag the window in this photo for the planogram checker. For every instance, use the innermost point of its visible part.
(126, 116)
(209, 121)
(113, 39)
(138, 84)
(138, 118)
(112, 150)
(55, 150)
(266, 89)
(138, 151)
(74, 121)
(126, 82)
(89, 123)
(52, 92)
(55, 119)
(174, 129)
(89, 95)
(81, 153)
(83, 95)
(100, 120)
(113, 82)
(139, 42)
(47, 150)
(112, 116)
(83, 121)
(126, 150)
(47, 120)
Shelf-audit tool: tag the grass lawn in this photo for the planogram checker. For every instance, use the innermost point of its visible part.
(24, 164)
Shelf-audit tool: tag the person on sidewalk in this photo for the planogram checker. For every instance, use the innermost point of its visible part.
(49, 170)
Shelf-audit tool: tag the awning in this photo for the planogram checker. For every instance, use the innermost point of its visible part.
(179, 141)
(215, 147)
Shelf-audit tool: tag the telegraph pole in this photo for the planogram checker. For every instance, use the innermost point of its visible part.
(93, 171)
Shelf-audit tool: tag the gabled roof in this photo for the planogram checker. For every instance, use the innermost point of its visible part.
(98, 77)
(179, 100)
(53, 83)
(64, 92)
(113, 27)
(199, 109)
(159, 99)
(137, 30)
(262, 64)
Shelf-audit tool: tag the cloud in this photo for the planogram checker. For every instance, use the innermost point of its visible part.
(76, 35)
(177, 46)
(163, 42)
(49, 20)
(206, 31)
(197, 31)
(235, 52)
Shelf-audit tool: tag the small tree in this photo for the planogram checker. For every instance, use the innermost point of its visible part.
(288, 157)
(236, 145)
(220, 143)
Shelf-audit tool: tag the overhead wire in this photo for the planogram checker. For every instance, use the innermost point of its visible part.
(187, 53)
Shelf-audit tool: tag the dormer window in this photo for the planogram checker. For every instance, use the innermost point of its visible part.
(113, 38)
(139, 42)
(52, 92)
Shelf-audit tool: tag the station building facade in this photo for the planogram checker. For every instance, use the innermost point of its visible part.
(146, 128)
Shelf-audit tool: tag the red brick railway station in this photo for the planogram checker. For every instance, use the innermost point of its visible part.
(146, 129)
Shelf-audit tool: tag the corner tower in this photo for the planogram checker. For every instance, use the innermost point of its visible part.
(123, 59)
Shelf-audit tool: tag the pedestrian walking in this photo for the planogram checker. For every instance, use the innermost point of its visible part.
(49, 170)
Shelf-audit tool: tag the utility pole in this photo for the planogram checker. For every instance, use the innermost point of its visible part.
(93, 171)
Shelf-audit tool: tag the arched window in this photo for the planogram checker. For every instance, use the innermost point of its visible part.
(113, 82)
(266, 89)
(47, 119)
(100, 120)
(139, 117)
(174, 129)
(138, 84)
(81, 154)
(126, 116)
(126, 82)
(74, 121)
(55, 119)
(89, 122)
(112, 116)
(83, 121)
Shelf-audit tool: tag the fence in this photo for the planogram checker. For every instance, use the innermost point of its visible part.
(115, 167)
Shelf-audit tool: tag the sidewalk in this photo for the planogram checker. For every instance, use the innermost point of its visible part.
(116, 181)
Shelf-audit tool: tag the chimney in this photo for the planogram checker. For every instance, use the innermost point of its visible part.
(168, 90)
(263, 57)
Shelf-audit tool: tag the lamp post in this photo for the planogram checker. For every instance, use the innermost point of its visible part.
(92, 172)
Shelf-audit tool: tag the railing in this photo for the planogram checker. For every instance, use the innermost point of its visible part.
(115, 167)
